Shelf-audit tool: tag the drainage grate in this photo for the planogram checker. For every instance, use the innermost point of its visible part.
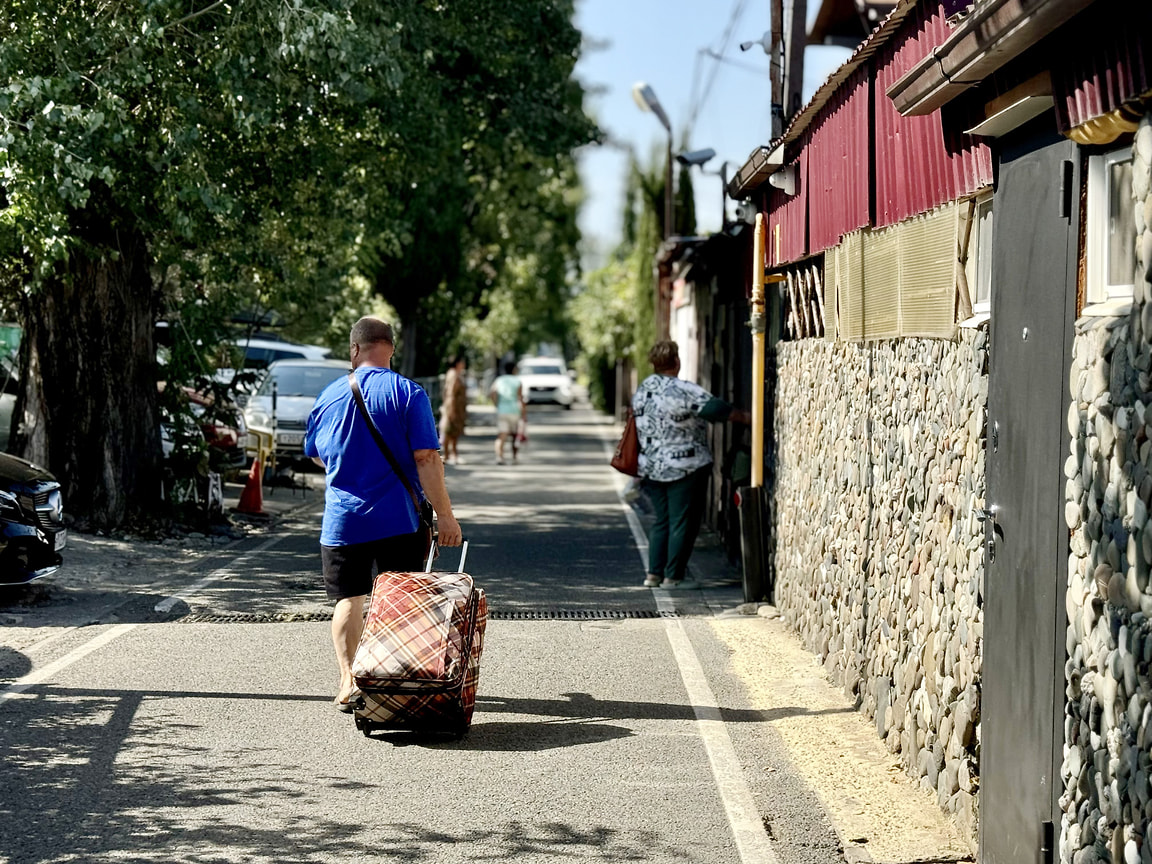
(575, 614)
(495, 614)
(254, 618)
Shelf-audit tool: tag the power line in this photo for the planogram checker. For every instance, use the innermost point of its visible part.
(747, 67)
(697, 103)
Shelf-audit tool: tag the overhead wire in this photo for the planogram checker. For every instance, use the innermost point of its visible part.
(747, 67)
(700, 97)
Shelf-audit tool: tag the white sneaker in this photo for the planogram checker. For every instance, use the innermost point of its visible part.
(680, 584)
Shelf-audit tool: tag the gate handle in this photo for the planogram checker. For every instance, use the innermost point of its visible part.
(989, 515)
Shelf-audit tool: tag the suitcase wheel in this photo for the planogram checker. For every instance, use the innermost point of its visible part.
(364, 725)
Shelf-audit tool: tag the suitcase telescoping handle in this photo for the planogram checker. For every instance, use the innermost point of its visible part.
(432, 556)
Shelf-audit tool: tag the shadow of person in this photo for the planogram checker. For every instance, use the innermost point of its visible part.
(528, 736)
(13, 664)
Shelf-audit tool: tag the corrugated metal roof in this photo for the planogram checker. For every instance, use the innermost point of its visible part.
(839, 165)
(1116, 70)
(788, 219)
(918, 165)
(756, 169)
(832, 83)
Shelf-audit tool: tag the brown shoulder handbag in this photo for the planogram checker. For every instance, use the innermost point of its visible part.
(626, 460)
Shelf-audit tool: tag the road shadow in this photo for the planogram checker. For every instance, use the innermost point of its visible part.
(13, 664)
(89, 777)
(587, 707)
(579, 718)
(29, 595)
(527, 736)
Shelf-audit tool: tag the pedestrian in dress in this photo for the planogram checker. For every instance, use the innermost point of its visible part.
(370, 522)
(453, 409)
(671, 422)
(511, 411)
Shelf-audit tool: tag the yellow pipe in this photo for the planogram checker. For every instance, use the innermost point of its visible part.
(757, 324)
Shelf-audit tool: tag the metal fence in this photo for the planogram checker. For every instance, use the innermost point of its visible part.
(434, 386)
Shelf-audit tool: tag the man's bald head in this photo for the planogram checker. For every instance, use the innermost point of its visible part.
(371, 343)
(369, 330)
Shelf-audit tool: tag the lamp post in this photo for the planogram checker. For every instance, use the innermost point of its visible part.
(645, 97)
(699, 158)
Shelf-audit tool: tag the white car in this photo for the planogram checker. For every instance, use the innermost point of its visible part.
(297, 383)
(545, 379)
(260, 353)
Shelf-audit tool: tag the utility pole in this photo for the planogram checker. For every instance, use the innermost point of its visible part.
(796, 37)
(775, 67)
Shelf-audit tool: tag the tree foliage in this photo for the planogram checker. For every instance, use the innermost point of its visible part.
(257, 153)
(488, 213)
(614, 311)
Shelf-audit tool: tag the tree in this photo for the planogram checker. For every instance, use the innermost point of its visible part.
(528, 299)
(500, 116)
(614, 310)
(166, 151)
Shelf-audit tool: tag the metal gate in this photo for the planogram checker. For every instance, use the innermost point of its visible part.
(1035, 216)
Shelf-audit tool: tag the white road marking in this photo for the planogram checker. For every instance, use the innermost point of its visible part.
(619, 483)
(98, 642)
(167, 603)
(743, 816)
(42, 675)
(744, 819)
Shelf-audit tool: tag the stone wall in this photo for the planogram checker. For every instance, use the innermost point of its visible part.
(1107, 800)
(879, 476)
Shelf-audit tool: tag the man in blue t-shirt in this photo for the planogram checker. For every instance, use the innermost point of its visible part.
(370, 522)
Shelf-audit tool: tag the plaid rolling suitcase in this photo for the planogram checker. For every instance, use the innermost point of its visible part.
(418, 662)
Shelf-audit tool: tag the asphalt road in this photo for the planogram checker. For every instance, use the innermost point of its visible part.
(204, 733)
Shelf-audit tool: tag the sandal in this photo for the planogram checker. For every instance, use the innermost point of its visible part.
(347, 706)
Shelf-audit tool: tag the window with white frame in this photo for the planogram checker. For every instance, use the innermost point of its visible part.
(1110, 232)
(978, 266)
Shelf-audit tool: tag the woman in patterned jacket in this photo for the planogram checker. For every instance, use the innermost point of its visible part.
(671, 422)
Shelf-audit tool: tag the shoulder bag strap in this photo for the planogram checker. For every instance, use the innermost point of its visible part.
(358, 397)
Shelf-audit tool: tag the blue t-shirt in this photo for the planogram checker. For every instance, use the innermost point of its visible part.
(365, 500)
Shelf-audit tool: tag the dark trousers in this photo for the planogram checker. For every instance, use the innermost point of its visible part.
(679, 506)
(349, 571)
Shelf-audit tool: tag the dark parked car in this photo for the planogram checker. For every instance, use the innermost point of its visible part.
(32, 529)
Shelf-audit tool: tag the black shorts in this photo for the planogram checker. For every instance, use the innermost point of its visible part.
(350, 570)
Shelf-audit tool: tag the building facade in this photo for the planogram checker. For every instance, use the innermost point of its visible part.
(961, 432)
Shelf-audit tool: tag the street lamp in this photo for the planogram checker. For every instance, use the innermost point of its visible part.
(645, 97)
(699, 158)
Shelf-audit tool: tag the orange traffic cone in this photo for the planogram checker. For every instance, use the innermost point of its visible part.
(252, 498)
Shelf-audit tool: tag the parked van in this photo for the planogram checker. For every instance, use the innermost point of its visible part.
(262, 350)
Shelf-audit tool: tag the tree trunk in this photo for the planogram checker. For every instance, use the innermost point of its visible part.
(409, 344)
(88, 401)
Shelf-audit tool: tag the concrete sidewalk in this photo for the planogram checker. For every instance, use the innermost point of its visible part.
(877, 810)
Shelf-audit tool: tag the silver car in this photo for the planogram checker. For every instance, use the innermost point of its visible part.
(294, 384)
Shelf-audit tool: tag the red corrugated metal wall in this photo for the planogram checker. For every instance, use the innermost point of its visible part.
(1087, 84)
(917, 168)
(788, 218)
(838, 181)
